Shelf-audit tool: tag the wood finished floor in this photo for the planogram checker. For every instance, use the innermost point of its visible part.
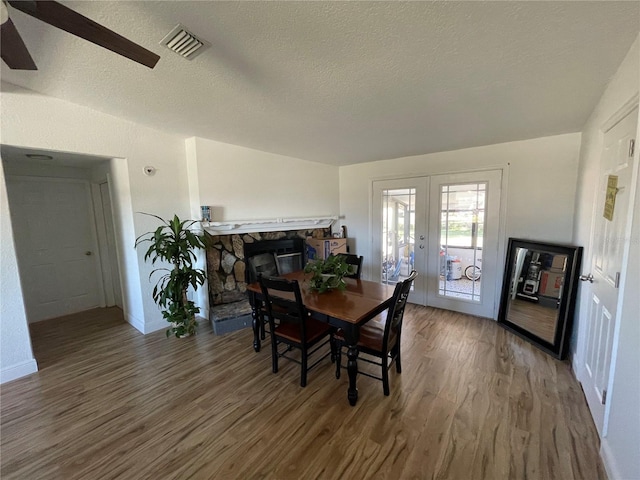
(473, 402)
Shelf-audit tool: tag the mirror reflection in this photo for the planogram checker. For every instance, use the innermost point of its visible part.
(539, 293)
(536, 290)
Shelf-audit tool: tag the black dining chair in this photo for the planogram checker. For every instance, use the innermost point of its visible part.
(261, 264)
(355, 261)
(291, 325)
(380, 337)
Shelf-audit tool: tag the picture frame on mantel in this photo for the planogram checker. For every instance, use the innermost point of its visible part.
(539, 293)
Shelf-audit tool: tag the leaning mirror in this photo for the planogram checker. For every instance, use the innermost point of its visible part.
(539, 293)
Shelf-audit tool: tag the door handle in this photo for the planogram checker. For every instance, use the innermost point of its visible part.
(587, 278)
(88, 253)
(421, 246)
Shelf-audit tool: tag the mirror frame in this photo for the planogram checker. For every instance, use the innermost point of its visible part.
(559, 347)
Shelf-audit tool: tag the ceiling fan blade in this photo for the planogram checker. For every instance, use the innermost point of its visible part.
(14, 51)
(64, 18)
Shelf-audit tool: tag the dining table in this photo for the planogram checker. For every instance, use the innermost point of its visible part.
(346, 309)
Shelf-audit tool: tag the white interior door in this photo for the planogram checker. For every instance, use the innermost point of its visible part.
(464, 227)
(55, 244)
(399, 239)
(607, 264)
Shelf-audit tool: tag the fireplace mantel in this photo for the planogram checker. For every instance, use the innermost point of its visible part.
(267, 225)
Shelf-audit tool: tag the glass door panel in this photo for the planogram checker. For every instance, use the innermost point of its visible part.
(399, 232)
(461, 237)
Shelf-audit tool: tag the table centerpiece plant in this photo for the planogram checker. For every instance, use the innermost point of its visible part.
(175, 243)
(328, 273)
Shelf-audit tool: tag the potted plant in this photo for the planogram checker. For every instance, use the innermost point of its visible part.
(328, 273)
(173, 242)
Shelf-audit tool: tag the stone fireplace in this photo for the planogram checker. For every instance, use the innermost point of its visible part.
(226, 266)
(227, 270)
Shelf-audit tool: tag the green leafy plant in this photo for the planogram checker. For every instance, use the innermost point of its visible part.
(173, 242)
(328, 273)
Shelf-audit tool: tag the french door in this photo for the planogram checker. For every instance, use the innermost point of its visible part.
(446, 227)
(400, 220)
(464, 222)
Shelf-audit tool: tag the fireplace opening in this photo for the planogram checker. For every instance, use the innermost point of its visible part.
(289, 254)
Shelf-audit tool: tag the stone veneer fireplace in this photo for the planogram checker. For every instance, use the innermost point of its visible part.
(226, 266)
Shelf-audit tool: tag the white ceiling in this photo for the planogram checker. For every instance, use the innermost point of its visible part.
(344, 82)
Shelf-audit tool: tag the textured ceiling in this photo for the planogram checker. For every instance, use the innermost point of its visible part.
(344, 82)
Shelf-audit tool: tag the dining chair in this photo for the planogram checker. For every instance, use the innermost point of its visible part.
(355, 261)
(291, 325)
(265, 264)
(380, 337)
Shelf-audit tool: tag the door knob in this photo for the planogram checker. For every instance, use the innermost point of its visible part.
(88, 253)
(421, 246)
(587, 278)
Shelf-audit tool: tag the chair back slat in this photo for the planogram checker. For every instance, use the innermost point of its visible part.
(355, 261)
(395, 313)
(283, 301)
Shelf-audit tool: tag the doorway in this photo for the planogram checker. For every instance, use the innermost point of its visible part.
(447, 228)
(58, 232)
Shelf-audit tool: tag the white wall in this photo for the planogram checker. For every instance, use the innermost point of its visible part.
(540, 188)
(245, 184)
(620, 445)
(239, 183)
(16, 356)
(35, 121)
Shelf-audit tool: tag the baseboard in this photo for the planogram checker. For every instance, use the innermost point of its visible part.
(609, 461)
(135, 323)
(160, 324)
(18, 370)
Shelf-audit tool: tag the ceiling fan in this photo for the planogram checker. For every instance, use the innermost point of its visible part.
(17, 57)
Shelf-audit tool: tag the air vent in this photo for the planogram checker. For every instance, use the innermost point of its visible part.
(184, 43)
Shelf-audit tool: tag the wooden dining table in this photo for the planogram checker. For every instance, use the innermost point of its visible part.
(346, 309)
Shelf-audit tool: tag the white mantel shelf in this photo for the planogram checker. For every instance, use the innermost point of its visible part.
(268, 225)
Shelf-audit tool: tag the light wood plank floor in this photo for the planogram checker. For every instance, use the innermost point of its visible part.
(473, 402)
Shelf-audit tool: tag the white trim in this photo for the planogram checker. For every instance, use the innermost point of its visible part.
(135, 323)
(18, 370)
(267, 225)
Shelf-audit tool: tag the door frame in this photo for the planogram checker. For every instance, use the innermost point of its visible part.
(111, 280)
(502, 221)
(578, 361)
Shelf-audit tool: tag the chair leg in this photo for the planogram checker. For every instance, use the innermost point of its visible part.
(398, 364)
(303, 369)
(332, 344)
(262, 333)
(338, 358)
(385, 375)
(274, 354)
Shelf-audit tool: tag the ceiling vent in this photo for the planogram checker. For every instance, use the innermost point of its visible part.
(184, 43)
